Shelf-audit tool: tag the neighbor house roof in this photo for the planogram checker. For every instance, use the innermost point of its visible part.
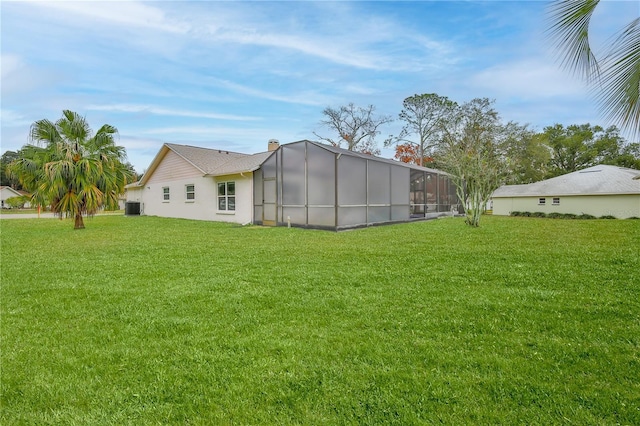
(597, 180)
(211, 162)
(18, 193)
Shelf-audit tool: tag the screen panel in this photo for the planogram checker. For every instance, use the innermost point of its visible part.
(432, 188)
(379, 183)
(257, 188)
(399, 213)
(352, 216)
(400, 179)
(322, 216)
(293, 174)
(269, 167)
(321, 176)
(352, 181)
(269, 193)
(297, 215)
(379, 214)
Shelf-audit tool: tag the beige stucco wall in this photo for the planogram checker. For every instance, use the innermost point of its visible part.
(620, 206)
(175, 173)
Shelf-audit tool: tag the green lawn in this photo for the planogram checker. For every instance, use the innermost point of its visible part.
(142, 320)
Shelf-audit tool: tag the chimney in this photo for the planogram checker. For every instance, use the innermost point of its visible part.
(273, 144)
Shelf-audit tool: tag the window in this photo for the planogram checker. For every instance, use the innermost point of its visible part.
(191, 192)
(542, 201)
(556, 201)
(165, 193)
(227, 196)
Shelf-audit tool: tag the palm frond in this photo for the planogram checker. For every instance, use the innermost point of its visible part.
(569, 32)
(619, 95)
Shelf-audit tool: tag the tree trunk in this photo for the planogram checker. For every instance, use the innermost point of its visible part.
(79, 223)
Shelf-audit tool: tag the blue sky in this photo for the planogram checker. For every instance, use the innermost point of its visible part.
(232, 74)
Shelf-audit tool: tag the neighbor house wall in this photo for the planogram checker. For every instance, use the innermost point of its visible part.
(620, 206)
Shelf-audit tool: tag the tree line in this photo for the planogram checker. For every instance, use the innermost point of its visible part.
(472, 143)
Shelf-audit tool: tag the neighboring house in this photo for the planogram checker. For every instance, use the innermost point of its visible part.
(303, 183)
(7, 192)
(598, 191)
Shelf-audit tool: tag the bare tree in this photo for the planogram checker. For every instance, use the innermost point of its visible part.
(356, 127)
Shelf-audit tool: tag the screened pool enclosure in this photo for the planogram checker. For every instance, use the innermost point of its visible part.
(313, 185)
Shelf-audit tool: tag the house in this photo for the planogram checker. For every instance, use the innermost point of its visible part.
(197, 183)
(7, 192)
(598, 191)
(304, 183)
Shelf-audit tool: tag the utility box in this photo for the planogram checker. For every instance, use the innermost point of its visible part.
(132, 208)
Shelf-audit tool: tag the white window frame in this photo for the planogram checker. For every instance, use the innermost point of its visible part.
(555, 201)
(192, 193)
(226, 197)
(542, 201)
(166, 194)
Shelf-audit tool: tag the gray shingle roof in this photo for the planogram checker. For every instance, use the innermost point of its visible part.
(206, 160)
(596, 180)
(218, 162)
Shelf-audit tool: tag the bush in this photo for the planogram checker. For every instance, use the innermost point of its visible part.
(538, 214)
(586, 216)
(17, 202)
(608, 216)
(515, 214)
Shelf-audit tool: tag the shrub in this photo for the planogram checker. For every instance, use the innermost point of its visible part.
(538, 214)
(608, 216)
(515, 213)
(16, 202)
(633, 217)
(586, 216)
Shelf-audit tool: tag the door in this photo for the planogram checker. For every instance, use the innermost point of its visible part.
(269, 202)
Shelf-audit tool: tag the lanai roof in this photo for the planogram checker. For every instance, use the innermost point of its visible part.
(596, 180)
(343, 151)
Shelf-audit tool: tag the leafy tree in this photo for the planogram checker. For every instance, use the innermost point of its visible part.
(525, 155)
(570, 147)
(71, 169)
(470, 152)
(616, 76)
(5, 178)
(629, 156)
(578, 146)
(424, 118)
(17, 202)
(408, 153)
(356, 127)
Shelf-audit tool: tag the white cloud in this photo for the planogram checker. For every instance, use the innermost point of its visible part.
(150, 109)
(527, 79)
(11, 118)
(122, 12)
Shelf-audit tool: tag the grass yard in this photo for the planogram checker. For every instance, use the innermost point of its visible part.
(143, 320)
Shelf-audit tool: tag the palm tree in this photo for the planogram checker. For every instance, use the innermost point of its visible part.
(616, 76)
(70, 169)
